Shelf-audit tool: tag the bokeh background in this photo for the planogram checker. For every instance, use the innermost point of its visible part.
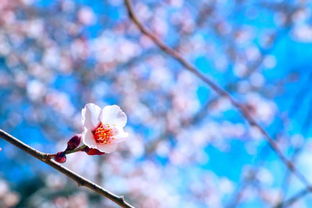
(188, 146)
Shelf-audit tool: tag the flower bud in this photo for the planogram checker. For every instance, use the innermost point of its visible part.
(92, 151)
(73, 143)
(60, 157)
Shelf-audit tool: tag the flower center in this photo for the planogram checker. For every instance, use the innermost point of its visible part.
(103, 134)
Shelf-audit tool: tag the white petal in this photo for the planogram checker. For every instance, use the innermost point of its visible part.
(113, 115)
(90, 115)
(107, 148)
(119, 140)
(88, 139)
(120, 136)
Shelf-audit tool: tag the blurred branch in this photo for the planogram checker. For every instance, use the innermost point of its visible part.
(297, 102)
(206, 10)
(74, 176)
(263, 155)
(230, 87)
(220, 91)
(294, 198)
(234, 201)
(195, 119)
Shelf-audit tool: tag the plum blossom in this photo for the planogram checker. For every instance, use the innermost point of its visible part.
(103, 128)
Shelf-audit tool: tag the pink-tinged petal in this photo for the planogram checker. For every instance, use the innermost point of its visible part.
(88, 139)
(118, 140)
(120, 136)
(90, 115)
(113, 115)
(107, 148)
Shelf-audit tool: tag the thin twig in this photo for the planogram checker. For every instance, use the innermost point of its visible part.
(219, 90)
(46, 158)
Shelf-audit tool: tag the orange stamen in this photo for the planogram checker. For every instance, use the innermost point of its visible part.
(103, 134)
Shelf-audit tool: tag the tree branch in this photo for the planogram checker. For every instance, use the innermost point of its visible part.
(219, 90)
(46, 158)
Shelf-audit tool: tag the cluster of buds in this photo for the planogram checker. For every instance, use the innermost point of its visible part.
(73, 146)
(103, 130)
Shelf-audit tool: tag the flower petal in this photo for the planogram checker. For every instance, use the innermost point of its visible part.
(113, 115)
(88, 139)
(120, 136)
(90, 115)
(107, 148)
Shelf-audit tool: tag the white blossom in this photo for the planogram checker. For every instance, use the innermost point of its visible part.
(103, 128)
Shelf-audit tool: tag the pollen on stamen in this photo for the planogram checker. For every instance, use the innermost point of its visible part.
(103, 134)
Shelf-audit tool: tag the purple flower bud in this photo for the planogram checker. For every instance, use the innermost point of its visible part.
(92, 151)
(60, 157)
(73, 143)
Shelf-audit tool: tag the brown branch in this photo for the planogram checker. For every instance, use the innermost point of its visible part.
(74, 176)
(219, 90)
